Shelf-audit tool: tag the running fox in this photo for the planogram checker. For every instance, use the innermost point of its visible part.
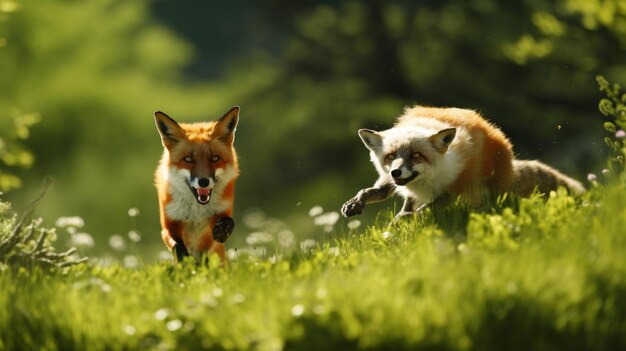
(441, 153)
(195, 182)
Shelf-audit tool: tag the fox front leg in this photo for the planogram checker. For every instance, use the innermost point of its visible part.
(180, 251)
(171, 237)
(408, 208)
(355, 205)
(412, 206)
(223, 229)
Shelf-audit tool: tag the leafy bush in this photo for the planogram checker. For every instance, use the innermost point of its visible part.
(529, 221)
(614, 107)
(28, 245)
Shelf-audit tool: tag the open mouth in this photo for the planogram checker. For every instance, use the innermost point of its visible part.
(202, 195)
(407, 180)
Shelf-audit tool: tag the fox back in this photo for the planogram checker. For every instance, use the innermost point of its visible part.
(195, 181)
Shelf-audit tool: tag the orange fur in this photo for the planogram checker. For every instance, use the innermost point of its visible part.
(198, 151)
(488, 154)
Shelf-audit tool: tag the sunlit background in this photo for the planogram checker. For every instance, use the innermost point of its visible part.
(86, 76)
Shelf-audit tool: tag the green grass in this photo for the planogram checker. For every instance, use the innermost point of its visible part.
(536, 275)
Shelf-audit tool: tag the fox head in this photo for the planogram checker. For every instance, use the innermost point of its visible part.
(407, 154)
(199, 155)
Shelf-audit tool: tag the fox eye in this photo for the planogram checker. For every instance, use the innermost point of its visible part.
(215, 158)
(416, 155)
(188, 159)
(390, 157)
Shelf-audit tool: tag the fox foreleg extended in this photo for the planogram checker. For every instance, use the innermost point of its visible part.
(379, 192)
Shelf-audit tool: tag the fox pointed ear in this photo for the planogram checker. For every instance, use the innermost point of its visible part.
(170, 131)
(443, 139)
(372, 139)
(225, 127)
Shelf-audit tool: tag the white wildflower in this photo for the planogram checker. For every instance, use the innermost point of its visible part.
(134, 236)
(161, 314)
(275, 258)
(257, 238)
(131, 261)
(308, 244)
(334, 251)
(174, 325)
(129, 329)
(354, 224)
(259, 251)
(321, 293)
(297, 310)
(254, 218)
(106, 288)
(232, 255)
(316, 211)
(327, 219)
(117, 243)
(75, 222)
(82, 240)
(286, 238)
(164, 255)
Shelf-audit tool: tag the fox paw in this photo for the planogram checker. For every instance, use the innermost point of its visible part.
(223, 228)
(352, 207)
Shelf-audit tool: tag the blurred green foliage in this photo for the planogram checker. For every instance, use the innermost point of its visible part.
(14, 125)
(13, 153)
(307, 76)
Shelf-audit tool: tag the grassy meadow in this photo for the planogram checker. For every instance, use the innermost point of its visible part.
(518, 274)
(80, 80)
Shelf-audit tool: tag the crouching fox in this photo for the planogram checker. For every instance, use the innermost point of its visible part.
(433, 153)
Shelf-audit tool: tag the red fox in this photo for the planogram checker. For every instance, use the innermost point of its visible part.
(433, 153)
(195, 182)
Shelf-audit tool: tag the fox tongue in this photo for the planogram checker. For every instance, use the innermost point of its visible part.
(203, 195)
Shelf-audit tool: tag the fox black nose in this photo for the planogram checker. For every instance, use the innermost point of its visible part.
(396, 173)
(203, 182)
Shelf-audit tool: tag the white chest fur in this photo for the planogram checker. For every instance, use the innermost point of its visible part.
(184, 208)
